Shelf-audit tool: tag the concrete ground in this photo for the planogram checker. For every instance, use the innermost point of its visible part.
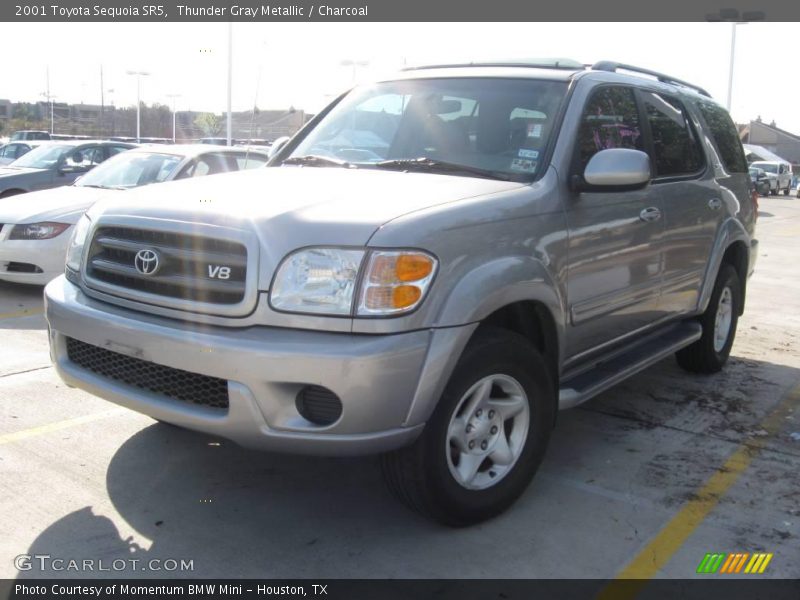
(642, 481)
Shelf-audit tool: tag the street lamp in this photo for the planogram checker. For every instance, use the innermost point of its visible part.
(50, 99)
(139, 75)
(173, 96)
(732, 16)
(348, 62)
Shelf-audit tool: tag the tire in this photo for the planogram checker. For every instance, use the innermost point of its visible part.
(709, 354)
(786, 191)
(425, 475)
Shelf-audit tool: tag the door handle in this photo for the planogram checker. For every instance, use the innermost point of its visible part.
(715, 204)
(649, 215)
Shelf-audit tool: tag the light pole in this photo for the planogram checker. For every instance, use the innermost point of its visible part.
(348, 62)
(173, 96)
(733, 58)
(733, 17)
(230, 82)
(50, 99)
(139, 75)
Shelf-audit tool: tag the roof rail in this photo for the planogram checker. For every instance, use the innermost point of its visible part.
(611, 66)
(534, 63)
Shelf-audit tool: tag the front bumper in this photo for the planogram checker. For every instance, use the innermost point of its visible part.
(47, 256)
(388, 384)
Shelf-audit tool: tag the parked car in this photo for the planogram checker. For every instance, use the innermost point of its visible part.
(14, 150)
(760, 180)
(37, 226)
(430, 269)
(779, 174)
(29, 134)
(55, 164)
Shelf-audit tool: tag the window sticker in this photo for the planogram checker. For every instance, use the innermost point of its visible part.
(534, 130)
(523, 165)
(526, 153)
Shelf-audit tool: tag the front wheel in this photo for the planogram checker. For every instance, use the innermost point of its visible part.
(787, 190)
(485, 440)
(710, 353)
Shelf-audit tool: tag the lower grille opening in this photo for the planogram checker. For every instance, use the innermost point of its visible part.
(192, 388)
(318, 405)
(20, 267)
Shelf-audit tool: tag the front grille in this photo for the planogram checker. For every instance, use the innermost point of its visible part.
(189, 267)
(165, 381)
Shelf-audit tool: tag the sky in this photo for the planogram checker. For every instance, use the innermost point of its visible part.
(277, 65)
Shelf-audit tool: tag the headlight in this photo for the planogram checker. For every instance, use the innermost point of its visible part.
(75, 248)
(395, 281)
(317, 280)
(38, 231)
(324, 281)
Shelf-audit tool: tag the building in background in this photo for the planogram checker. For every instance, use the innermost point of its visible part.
(777, 141)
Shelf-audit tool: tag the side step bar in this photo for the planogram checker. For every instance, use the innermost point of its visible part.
(606, 373)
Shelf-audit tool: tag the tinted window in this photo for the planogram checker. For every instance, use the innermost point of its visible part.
(725, 136)
(675, 147)
(610, 120)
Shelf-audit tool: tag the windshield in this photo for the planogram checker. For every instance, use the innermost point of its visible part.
(768, 167)
(43, 157)
(488, 124)
(131, 169)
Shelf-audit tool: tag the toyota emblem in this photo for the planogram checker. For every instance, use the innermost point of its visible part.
(146, 261)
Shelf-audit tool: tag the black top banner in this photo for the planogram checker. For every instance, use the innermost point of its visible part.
(398, 10)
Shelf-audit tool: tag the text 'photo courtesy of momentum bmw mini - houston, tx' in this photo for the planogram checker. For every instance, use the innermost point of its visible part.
(336, 305)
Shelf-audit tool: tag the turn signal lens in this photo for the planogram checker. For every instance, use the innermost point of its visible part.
(396, 281)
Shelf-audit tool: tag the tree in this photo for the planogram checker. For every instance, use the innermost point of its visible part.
(209, 123)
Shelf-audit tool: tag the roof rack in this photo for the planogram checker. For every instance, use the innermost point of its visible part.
(533, 63)
(613, 67)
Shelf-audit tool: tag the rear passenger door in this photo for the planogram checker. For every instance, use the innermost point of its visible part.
(614, 263)
(685, 190)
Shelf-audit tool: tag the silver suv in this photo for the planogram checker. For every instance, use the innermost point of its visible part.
(429, 270)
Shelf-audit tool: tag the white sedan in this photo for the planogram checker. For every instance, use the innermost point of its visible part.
(35, 228)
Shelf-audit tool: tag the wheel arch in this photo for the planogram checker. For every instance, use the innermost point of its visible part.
(523, 298)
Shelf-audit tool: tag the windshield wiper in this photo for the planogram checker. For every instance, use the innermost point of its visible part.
(315, 160)
(432, 165)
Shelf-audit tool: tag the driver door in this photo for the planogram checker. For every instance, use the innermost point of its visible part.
(615, 237)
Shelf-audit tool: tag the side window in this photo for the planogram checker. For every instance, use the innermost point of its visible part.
(725, 136)
(85, 157)
(676, 148)
(114, 150)
(610, 120)
(250, 161)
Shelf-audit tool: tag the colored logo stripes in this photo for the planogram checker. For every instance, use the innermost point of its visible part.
(736, 562)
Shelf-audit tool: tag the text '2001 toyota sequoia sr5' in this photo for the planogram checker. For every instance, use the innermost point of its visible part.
(429, 270)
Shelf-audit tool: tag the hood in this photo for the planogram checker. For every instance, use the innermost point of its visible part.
(361, 199)
(64, 204)
(292, 207)
(9, 171)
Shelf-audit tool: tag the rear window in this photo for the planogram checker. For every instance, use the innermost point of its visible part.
(725, 136)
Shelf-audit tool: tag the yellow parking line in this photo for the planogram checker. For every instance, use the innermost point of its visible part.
(25, 312)
(672, 536)
(9, 438)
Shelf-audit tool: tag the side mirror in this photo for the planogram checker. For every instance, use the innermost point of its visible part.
(616, 169)
(277, 145)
